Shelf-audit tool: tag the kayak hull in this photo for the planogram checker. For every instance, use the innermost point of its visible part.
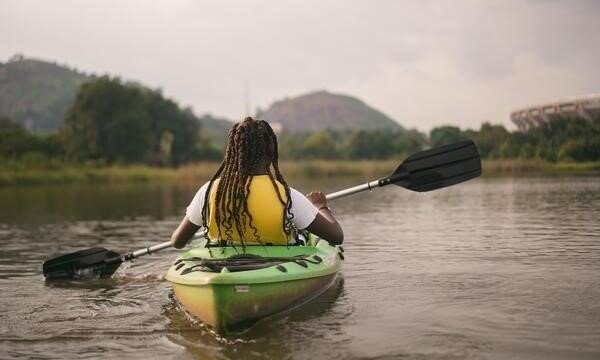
(225, 308)
(230, 301)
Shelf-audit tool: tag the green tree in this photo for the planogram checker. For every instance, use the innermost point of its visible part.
(15, 142)
(409, 141)
(116, 121)
(489, 138)
(511, 148)
(319, 145)
(562, 138)
(371, 145)
(580, 150)
(6, 123)
(14, 139)
(445, 135)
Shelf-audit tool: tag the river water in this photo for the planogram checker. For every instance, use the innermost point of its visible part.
(491, 269)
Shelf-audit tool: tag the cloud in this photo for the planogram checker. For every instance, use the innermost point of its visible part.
(425, 63)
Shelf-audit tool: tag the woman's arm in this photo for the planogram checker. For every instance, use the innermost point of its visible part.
(184, 232)
(324, 225)
(186, 229)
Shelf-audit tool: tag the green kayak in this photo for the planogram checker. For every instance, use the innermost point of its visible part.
(230, 289)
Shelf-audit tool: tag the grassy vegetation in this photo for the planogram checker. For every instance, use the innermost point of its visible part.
(65, 173)
(61, 174)
(81, 173)
(334, 168)
(521, 167)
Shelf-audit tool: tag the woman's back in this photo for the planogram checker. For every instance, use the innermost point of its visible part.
(239, 206)
(265, 208)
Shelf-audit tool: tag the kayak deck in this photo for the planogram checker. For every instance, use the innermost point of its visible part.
(228, 300)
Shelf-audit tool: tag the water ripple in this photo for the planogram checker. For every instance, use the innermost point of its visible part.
(497, 268)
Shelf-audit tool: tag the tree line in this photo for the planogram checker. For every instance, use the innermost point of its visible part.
(113, 121)
(561, 139)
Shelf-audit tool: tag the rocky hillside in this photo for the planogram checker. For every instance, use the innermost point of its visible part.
(36, 93)
(323, 110)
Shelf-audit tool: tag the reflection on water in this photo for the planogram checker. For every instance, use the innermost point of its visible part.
(495, 268)
(51, 204)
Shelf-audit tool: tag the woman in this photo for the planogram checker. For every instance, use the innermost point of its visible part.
(246, 202)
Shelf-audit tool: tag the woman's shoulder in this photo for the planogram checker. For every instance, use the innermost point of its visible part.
(204, 188)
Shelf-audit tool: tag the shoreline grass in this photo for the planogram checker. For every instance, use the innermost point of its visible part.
(64, 174)
(520, 167)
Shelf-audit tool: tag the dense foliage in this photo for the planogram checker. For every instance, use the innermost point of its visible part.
(112, 121)
(358, 144)
(115, 121)
(562, 139)
(16, 142)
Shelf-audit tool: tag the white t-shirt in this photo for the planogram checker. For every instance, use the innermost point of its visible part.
(303, 210)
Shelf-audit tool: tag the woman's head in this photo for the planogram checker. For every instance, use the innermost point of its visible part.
(251, 146)
(251, 150)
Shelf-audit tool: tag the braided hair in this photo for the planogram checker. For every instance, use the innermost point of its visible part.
(249, 143)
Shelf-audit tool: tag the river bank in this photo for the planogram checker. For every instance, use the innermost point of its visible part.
(80, 173)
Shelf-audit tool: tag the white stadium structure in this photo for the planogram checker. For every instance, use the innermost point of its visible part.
(587, 107)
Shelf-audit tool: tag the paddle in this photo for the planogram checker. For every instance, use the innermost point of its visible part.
(428, 170)
(92, 263)
(422, 171)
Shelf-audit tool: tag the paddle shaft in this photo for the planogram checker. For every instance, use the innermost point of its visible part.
(364, 187)
(422, 171)
(336, 195)
(436, 168)
(145, 251)
(164, 245)
(353, 190)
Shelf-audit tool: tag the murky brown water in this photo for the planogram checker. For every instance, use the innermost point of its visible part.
(493, 269)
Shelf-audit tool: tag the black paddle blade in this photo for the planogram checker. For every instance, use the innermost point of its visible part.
(83, 264)
(437, 168)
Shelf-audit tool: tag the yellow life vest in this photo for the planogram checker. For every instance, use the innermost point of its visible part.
(266, 210)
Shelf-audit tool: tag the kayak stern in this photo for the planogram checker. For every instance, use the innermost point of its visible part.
(228, 301)
(228, 307)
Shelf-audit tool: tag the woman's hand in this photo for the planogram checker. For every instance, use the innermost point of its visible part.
(317, 198)
(324, 225)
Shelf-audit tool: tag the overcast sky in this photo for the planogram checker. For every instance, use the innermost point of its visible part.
(424, 63)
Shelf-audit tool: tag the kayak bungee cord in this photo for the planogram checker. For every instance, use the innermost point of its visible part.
(242, 262)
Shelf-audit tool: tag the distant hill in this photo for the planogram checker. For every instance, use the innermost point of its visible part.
(215, 128)
(37, 93)
(323, 110)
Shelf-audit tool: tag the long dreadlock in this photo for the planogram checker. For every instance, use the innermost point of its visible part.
(249, 143)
